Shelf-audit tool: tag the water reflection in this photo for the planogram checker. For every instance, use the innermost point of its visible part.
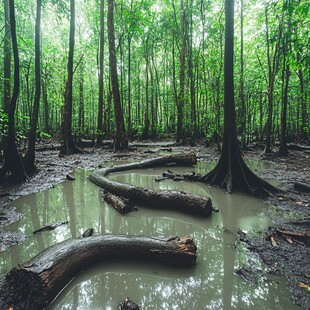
(210, 284)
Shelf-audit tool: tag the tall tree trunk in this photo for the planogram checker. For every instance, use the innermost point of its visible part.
(273, 65)
(6, 58)
(101, 73)
(129, 86)
(242, 99)
(231, 171)
(189, 39)
(121, 140)
(302, 98)
(69, 146)
(45, 104)
(81, 122)
(146, 129)
(285, 83)
(12, 159)
(30, 155)
(181, 98)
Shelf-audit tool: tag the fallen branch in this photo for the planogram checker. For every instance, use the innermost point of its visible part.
(35, 284)
(50, 227)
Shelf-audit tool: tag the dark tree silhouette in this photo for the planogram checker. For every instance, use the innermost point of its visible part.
(69, 145)
(13, 163)
(231, 172)
(121, 140)
(101, 72)
(29, 160)
(6, 58)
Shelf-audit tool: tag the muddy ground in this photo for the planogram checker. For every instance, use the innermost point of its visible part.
(283, 253)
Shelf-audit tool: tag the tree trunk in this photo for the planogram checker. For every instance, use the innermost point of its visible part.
(101, 73)
(34, 285)
(69, 146)
(146, 129)
(45, 104)
(181, 98)
(273, 65)
(6, 59)
(121, 140)
(189, 203)
(81, 101)
(242, 101)
(285, 83)
(231, 172)
(30, 155)
(12, 159)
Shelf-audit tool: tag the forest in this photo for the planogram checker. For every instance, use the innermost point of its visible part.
(146, 84)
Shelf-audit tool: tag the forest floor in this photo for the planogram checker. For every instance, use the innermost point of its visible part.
(285, 249)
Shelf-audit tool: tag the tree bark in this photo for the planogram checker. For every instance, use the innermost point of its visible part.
(7, 58)
(121, 140)
(69, 146)
(35, 284)
(175, 200)
(29, 159)
(12, 159)
(101, 73)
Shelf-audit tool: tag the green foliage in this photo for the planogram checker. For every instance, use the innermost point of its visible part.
(153, 27)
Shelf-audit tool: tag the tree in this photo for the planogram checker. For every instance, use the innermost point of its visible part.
(101, 70)
(69, 146)
(273, 66)
(7, 58)
(12, 160)
(231, 172)
(121, 140)
(181, 98)
(30, 155)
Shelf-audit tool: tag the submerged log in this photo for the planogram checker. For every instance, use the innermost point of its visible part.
(178, 200)
(35, 284)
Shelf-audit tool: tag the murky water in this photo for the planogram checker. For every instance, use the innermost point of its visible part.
(211, 284)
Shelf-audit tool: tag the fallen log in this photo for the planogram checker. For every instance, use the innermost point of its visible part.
(122, 205)
(182, 159)
(35, 284)
(302, 187)
(298, 147)
(178, 200)
(164, 199)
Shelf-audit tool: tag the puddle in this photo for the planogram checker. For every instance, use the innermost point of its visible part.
(211, 284)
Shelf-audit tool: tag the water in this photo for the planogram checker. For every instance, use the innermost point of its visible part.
(210, 284)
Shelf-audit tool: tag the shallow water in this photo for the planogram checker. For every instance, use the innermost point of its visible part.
(211, 284)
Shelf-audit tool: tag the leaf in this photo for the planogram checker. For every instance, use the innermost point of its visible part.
(303, 285)
(273, 241)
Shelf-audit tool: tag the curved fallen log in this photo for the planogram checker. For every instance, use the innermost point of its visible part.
(181, 159)
(35, 284)
(178, 200)
(164, 199)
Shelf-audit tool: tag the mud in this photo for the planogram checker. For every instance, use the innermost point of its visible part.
(291, 260)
